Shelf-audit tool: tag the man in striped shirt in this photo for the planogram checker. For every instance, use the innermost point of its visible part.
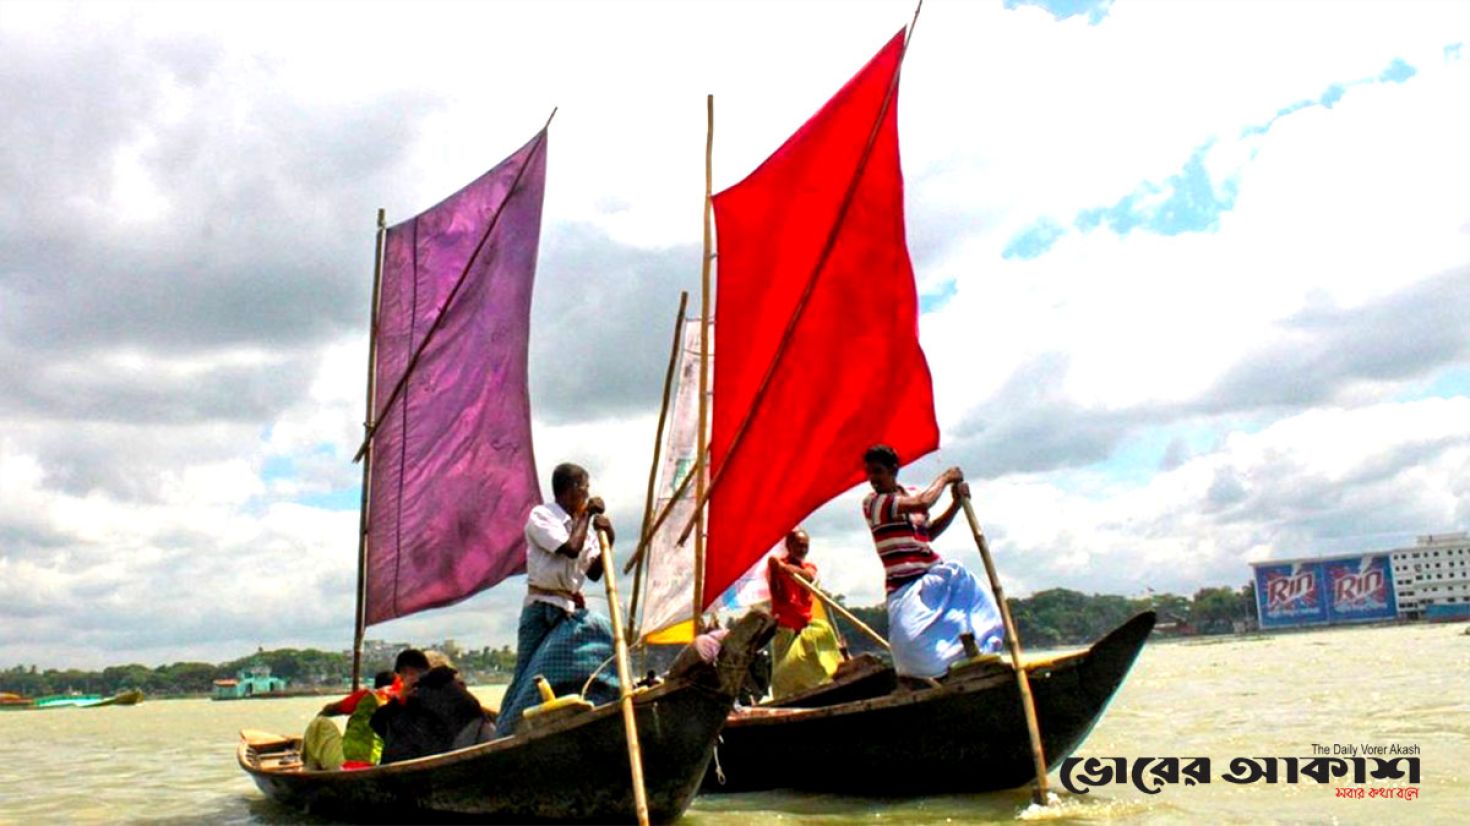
(934, 607)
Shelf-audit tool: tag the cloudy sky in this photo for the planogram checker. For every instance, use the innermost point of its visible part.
(1195, 278)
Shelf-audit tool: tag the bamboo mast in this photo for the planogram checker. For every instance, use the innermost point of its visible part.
(625, 679)
(704, 313)
(658, 443)
(811, 282)
(1023, 682)
(360, 623)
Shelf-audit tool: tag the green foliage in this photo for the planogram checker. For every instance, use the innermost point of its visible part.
(1058, 616)
(1048, 618)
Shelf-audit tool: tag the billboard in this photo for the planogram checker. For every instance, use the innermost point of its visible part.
(1359, 589)
(1290, 593)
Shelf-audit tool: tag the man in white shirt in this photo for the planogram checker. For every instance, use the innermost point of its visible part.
(558, 638)
(562, 549)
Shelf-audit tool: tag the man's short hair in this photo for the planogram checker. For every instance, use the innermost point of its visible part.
(881, 455)
(410, 658)
(565, 477)
(382, 679)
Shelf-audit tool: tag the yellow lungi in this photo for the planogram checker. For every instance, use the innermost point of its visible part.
(803, 660)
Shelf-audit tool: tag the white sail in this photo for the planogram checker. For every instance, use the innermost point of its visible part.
(670, 575)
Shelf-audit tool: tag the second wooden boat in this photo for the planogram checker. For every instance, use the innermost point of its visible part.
(966, 735)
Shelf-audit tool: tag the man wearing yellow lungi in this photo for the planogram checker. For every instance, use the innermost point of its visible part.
(805, 652)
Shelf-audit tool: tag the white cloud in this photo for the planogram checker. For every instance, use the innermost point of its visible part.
(163, 539)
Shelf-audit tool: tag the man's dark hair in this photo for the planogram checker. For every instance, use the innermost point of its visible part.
(383, 679)
(881, 455)
(565, 477)
(410, 658)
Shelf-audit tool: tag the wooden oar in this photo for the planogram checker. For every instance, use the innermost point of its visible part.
(842, 611)
(836, 606)
(1033, 728)
(625, 677)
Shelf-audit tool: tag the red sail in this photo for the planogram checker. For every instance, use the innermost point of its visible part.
(852, 373)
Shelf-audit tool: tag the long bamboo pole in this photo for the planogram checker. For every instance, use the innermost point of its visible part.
(1033, 728)
(359, 628)
(625, 678)
(811, 282)
(658, 443)
(704, 311)
(444, 308)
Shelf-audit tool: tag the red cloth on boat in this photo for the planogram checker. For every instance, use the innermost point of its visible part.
(853, 373)
(790, 603)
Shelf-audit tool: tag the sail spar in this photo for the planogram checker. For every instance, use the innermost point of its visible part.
(818, 334)
(453, 475)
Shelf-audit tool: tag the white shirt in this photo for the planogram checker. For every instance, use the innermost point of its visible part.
(548, 528)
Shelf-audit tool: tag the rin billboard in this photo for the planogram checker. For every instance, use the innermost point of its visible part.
(1290, 594)
(1349, 589)
(1360, 589)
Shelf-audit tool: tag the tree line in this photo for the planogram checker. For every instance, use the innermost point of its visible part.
(299, 667)
(1054, 617)
(1059, 616)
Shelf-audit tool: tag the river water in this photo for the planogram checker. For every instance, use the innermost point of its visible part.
(173, 760)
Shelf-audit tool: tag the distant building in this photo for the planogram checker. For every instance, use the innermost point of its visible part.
(1428, 580)
(249, 682)
(1433, 577)
(379, 651)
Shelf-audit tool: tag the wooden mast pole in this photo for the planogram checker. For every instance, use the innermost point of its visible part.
(658, 443)
(625, 678)
(704, 313)
(1033, 728)
(360, 624)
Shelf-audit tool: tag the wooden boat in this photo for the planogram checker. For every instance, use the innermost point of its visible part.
(67, 701)
(130, 697)
(966, 735)
(14, 701)
(573, 769)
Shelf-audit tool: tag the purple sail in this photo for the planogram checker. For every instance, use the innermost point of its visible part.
(453, 475)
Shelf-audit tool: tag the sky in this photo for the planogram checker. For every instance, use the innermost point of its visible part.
(1195, 281)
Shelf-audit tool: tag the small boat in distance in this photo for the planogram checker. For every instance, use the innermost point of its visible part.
(14, 701)
(66, 700)
(127, 697)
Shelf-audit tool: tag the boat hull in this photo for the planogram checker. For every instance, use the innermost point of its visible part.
(574, 770)
(968, 735)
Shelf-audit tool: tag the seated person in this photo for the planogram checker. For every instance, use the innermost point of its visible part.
(323, 747)
(436, 713)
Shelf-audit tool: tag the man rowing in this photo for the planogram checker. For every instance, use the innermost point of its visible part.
(558, 638)
(934, 607)
(805, 652)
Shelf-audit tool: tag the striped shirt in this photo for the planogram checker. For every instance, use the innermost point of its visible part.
(902, 539)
